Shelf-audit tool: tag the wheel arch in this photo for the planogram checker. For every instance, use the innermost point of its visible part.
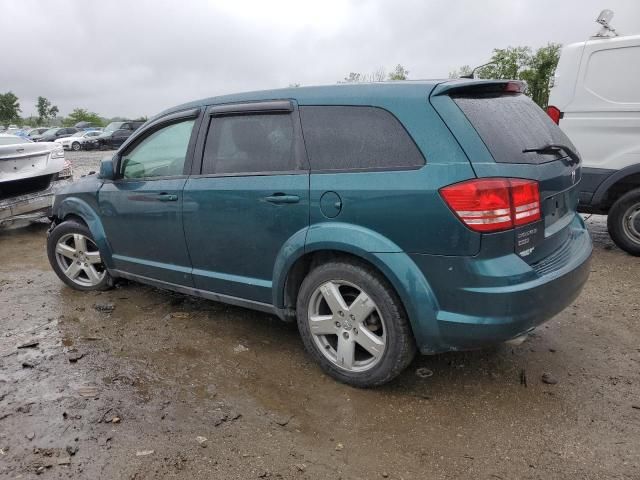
(330, 242)
(616, 185)
(74, 208)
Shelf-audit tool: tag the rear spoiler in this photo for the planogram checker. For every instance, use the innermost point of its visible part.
(475, 87)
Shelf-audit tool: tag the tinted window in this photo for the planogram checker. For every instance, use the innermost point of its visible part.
(250, 143)
(509, 124)
(160, 154)
(356, 138)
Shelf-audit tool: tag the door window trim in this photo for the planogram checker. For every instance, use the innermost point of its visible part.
(260, 107)
(136, 138)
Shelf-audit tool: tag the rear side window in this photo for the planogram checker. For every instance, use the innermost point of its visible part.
(250, 144)
(357, 138)
(511, 123)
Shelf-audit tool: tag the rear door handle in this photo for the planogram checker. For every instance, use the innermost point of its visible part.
(167, 197)
(279, 198)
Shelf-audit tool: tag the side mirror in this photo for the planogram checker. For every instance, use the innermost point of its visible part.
(106, 169)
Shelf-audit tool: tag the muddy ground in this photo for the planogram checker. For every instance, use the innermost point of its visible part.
(122, 384)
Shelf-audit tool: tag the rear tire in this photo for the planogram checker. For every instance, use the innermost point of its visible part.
(623, 222)
(75, 146)
(353, 324)
(74, 256)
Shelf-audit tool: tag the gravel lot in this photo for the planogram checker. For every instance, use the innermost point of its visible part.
(129, 383)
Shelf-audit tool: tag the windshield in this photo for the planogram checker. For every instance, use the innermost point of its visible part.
(112, 127)
(78, 134)
(13, 140)
(51, 131)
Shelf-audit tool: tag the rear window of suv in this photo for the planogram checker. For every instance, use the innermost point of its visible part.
(357, 138)
(511, 123)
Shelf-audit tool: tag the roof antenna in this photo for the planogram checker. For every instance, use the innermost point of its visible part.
(607, 31)
(472, 75)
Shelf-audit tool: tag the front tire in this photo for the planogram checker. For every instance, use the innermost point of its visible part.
(74, 256)
(75, 146)
(353, 324)
(623, 222)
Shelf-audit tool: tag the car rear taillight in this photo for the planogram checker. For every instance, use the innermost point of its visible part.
(494, 204)
(554, 113)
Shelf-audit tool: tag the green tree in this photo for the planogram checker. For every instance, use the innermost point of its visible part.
(461, 72)
(506, 63)
(353, 77)
(521, 63)
(379, 75)
(539, 71)
(9, 108)
(399, 73)
(45, 110)
(82, 115)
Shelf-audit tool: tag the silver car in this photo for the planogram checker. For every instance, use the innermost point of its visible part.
(30, 174)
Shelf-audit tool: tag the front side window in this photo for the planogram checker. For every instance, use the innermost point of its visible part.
(356, 138)
(160, 154)
(250, 144)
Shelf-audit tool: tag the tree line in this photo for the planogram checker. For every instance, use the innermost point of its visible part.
(47, 114)
(534, 67)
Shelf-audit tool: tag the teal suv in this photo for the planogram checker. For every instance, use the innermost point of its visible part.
(383, 218)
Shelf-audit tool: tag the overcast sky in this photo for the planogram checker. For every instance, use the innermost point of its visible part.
(137, 57)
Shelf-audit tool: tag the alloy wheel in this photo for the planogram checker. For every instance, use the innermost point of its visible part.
(79, 259)
(346, 326)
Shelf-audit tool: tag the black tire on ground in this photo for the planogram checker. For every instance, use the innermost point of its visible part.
(400, 344)
(75, 146)
(71, 227)
(625, 236)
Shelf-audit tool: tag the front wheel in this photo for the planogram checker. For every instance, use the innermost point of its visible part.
(353, 324)
(75, 146)
(74, 256)
(623, 222)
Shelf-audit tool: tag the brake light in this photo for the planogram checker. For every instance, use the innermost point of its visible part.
(514, 87)
(494, 204)
(554, 113)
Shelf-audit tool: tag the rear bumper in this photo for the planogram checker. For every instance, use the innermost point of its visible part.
(32, 205)
(518, 297)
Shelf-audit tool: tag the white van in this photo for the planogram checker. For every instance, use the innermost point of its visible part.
(595, 98)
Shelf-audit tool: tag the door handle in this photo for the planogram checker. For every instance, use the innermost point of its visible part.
(19, 150)
(280, 198)
(166, 197)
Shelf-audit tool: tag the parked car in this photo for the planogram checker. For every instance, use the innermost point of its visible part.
(54, 133)
(77, 141)
(30, 174)
(114, 135)
(383, 218)
(36, 132)
(596, 101)
(126, 125)
(110, 140)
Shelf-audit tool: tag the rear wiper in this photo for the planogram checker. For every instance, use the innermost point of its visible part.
(555, 148)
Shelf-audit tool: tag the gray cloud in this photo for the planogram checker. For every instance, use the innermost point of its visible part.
(137, 57)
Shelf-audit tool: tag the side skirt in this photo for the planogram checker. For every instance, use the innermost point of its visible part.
(216, 297)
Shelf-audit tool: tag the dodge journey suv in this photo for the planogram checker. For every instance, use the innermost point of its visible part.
(383, 218)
